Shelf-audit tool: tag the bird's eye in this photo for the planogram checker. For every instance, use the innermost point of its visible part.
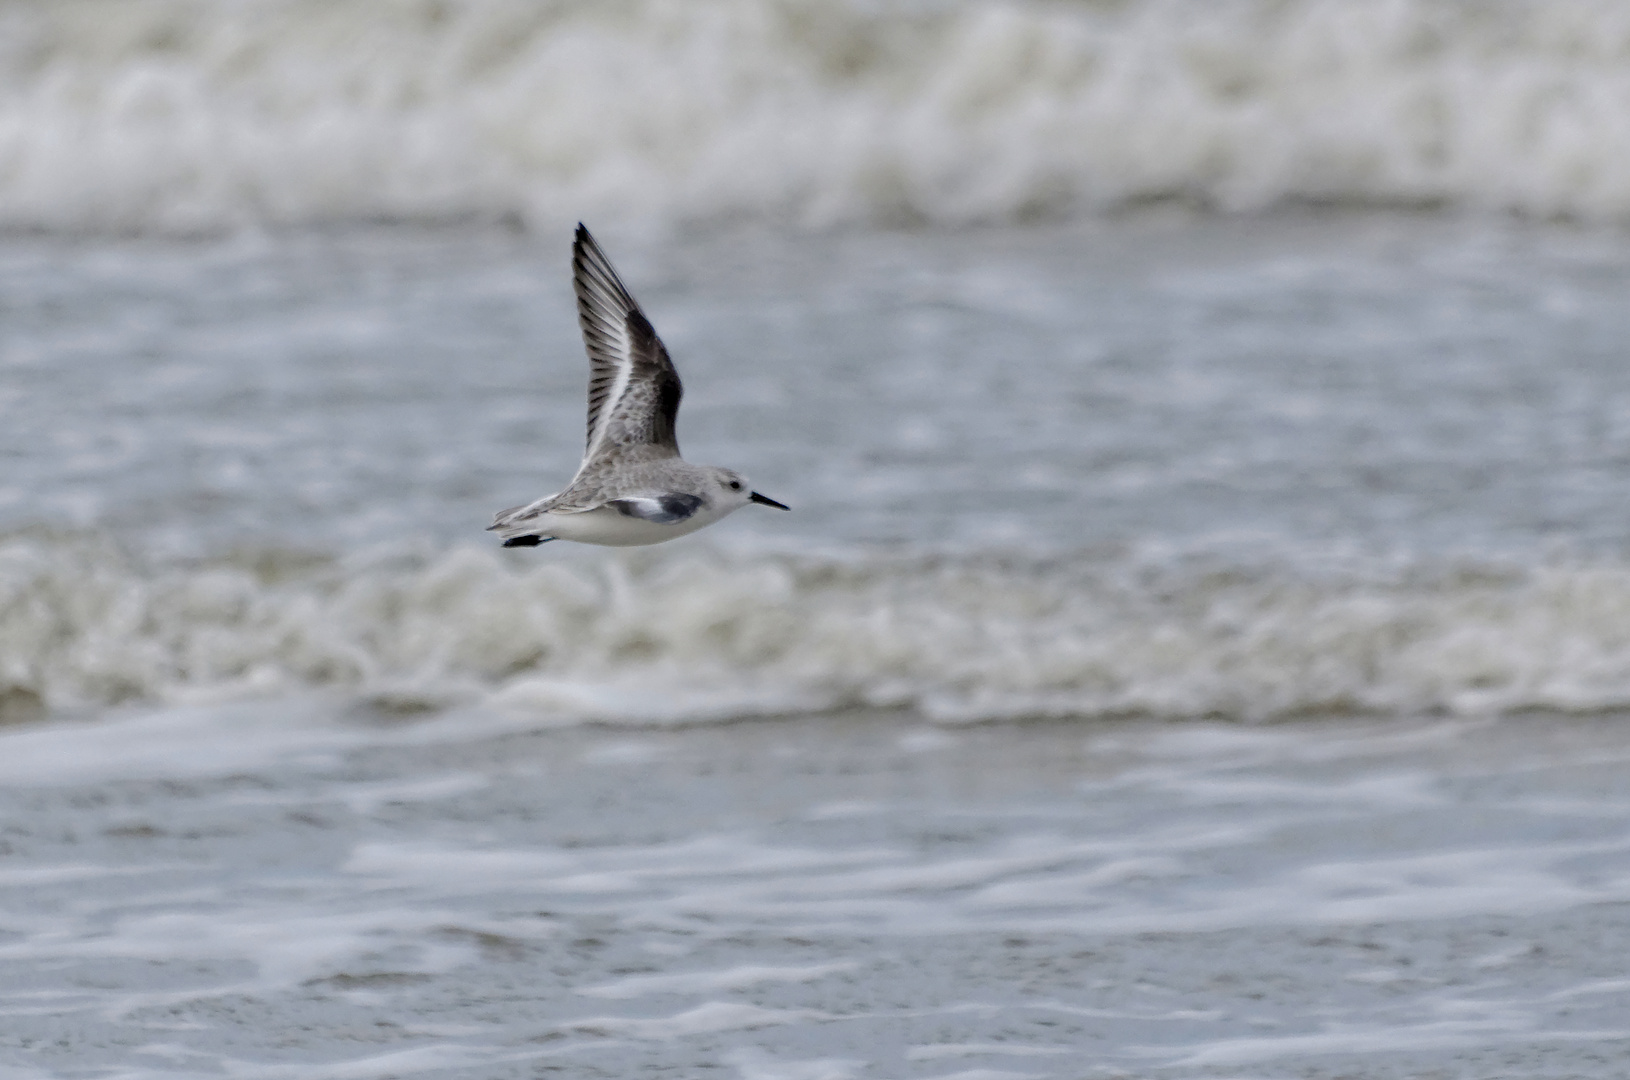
(735, 485)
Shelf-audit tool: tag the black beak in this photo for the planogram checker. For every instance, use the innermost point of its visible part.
(766, 500)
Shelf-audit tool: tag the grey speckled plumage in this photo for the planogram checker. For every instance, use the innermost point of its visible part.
(632, 486)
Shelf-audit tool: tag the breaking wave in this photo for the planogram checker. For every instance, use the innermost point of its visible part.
(643, 637)
(181, 115)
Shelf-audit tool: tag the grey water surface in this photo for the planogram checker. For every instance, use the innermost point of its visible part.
(1386, 383)
(843, 896)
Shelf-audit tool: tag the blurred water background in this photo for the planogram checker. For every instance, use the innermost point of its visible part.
(1140, 373)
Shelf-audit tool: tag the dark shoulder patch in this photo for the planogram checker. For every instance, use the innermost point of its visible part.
(664, 509)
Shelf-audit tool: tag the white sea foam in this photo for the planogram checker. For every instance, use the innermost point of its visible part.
(83, 625)
(1064, 888)
(188, 114)
(686, 636)
(754, 1064)
(705, 1019)
(955, 1050)
(1500, 1025)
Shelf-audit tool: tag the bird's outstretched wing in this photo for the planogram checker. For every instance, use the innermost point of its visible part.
(634, 390)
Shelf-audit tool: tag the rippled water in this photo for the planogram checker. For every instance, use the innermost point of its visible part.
(1381, 384)
(281, 892)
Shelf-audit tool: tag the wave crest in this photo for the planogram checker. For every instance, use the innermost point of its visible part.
(195, 115)
(648, 637)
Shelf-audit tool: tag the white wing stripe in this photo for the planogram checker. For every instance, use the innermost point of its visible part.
(625, 367)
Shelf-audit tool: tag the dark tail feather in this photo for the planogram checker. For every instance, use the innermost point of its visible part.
(528, 541)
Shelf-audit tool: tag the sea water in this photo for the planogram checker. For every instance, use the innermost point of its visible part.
(1199, 647)
(286, 891)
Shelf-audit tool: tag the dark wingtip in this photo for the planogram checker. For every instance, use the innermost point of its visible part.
(527, 541)
(586, 252)
(765, 500)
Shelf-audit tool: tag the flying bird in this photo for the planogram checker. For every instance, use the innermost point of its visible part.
(632, 487)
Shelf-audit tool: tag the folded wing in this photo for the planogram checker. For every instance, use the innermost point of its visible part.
(665, 508)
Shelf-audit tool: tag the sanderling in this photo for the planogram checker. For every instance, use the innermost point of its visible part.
(632, 487)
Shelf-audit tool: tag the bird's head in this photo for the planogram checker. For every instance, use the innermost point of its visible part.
(735, 491)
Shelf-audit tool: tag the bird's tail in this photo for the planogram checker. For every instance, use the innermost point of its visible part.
(518, 526)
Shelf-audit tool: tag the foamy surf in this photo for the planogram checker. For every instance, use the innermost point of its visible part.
(693, 635)
(182, 115)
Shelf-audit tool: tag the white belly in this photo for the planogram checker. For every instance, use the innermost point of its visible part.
(607, 526)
